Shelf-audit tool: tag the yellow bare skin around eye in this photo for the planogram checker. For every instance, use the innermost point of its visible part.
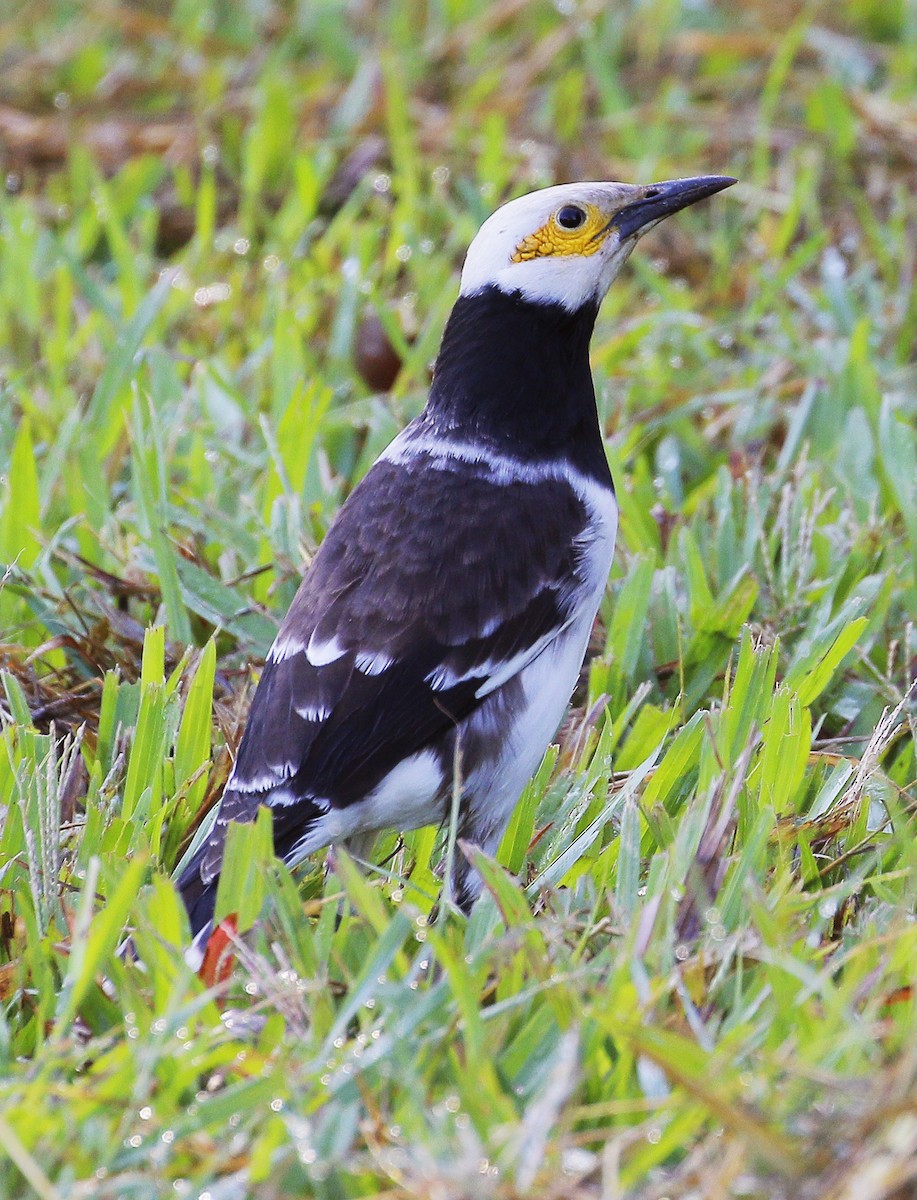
(552, 238)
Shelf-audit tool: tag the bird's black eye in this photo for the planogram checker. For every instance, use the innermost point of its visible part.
(571, 216)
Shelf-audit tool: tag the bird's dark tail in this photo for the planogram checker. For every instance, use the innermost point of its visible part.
(200, 901)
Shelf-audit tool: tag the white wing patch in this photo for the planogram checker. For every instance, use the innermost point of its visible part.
(493, 673)
(512, 666)
(313, 712)
(370, 663)
(285, 646)
(443, 678)
(320, 654)
(284, 797)
(261, 783)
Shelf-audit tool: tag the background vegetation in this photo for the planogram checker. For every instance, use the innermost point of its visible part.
(229, 237)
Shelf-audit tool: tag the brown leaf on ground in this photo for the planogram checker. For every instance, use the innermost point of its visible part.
(28, 141)
(376, 359)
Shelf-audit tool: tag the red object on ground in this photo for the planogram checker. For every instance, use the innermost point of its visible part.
(218, 956)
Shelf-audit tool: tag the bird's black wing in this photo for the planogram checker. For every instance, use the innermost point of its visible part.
(438, 581)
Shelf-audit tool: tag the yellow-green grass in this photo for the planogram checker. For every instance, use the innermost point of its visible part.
(691, 974)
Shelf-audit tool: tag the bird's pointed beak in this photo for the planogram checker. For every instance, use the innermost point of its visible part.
(660, 200)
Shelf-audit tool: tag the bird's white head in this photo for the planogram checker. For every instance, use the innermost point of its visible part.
(565, 245)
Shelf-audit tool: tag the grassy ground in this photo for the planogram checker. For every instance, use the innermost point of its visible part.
(226, 229)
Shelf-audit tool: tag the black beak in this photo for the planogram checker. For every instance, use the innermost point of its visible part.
(662, 199)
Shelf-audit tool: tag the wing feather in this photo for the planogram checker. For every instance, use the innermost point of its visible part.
(435, 585)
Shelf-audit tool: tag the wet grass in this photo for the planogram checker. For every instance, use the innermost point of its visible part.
(229, 238)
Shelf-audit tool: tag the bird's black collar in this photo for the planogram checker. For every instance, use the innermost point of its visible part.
(514, 375)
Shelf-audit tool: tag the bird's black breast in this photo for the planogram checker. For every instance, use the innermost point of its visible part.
(514, 374)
